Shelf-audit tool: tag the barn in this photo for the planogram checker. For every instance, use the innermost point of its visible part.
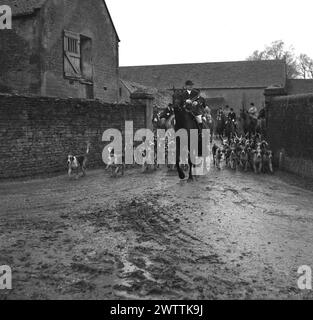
(236, 84)
(60, 48)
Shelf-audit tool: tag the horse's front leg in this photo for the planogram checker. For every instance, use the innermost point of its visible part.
(181, 173)
(190, 178)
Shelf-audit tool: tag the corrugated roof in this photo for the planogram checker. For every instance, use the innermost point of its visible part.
(299, 86)
(238, 74)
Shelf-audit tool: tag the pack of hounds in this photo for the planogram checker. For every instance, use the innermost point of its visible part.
(115, 164)
(244, 153)
(238, 153)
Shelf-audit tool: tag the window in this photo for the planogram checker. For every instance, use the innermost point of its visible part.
(86, 58)
(72, 45)
(78, 57)
(72, 56)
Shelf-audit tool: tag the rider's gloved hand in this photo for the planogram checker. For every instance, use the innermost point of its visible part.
(195, 103)
(188, 101)
(199, 118)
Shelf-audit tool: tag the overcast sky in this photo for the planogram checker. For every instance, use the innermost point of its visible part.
(188, 31)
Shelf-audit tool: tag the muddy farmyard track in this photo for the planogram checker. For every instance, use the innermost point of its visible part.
(149, 236)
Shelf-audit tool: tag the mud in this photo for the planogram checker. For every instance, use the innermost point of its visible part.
(228, 235)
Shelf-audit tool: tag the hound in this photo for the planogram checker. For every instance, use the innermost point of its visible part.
(113, 163)
(217, 156)
(78, 162)
(148, 156)
(268, 161)
(244, 158)
(257, 159)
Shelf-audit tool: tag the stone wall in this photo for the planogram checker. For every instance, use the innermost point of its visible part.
(20, 56)
(290, 131)
(37, 133)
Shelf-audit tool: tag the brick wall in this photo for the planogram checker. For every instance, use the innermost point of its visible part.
(37, 133)
(290, 130)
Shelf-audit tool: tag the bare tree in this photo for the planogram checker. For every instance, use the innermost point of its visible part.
(257, 55)
(276, 50)
(303, 65)
(306, 66)
(310, 69)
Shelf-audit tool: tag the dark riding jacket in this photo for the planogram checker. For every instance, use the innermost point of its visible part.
(193, 94)
(196, 110)
(232, 116)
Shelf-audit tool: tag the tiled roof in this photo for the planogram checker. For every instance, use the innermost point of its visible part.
(239, 74)
(24, 7)
(161, 97)
(134, 86)
(299, 86)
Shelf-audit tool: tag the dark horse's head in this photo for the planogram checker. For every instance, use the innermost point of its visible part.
(178, 99)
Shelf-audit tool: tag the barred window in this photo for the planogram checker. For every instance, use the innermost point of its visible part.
(72, 63)
(72, 45)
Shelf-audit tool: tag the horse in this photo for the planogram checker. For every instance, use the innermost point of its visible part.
(230, 129)
(167, 119)
(261, 127)
(184, 119)
(209, 124)
(249, 124)
(164, 119)
(220, 125)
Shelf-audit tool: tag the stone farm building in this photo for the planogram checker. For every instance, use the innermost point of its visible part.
(234, 83)
(61, 48)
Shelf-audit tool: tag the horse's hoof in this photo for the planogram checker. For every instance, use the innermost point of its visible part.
(181, 175)
(190, 179)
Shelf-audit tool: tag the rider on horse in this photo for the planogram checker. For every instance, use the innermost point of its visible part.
(207, 117)
(226, 111)
(253, 111)
(220, 114)
(194, 102)
(232, 117)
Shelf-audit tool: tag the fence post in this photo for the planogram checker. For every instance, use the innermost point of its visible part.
(146, 99)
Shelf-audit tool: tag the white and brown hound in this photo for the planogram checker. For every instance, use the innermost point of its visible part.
(78, 162)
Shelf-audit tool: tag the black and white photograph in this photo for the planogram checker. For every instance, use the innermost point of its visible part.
(156, 151)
